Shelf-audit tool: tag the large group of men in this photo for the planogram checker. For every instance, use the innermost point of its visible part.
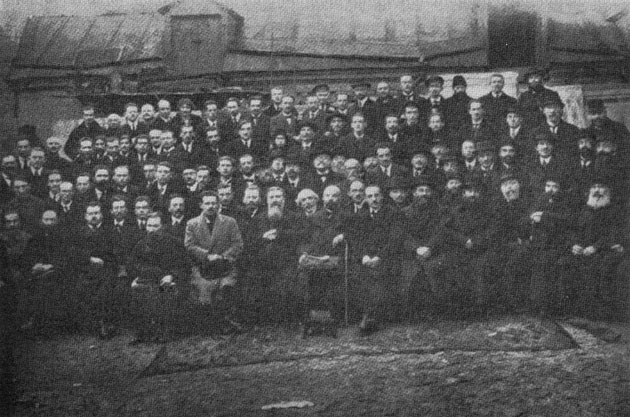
(393, 208)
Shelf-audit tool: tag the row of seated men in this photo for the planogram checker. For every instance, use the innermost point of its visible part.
(481, 251)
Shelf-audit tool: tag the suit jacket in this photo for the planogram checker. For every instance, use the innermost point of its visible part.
(486, 132)
(566, 137)
(495, 109)
(260, 127)
(379, 236)
(178, 231)
(159, 200)
(359, 149)
(280, 122)
(531, 103)
(456, 111)
(141, 128)
(398, 172)
(223, 239)
(156, 255)
(71, 148)
(125, 238)
(258, 149)
(319, 118)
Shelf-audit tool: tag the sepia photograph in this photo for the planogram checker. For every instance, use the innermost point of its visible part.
(315, 208)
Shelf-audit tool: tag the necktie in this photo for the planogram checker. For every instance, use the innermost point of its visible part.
(512, 133)
(143, 225)
(118, 228)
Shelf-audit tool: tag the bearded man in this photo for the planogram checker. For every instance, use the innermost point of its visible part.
(595, 250)
(276, 241)
(423, 261)
(547, 222)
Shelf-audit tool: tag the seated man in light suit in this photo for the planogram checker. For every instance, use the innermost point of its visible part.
(214, 242)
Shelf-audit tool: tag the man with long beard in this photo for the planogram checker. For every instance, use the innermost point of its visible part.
(276, 244)
(548, 220)
(468, 233)
(595, 250)
(423, 261)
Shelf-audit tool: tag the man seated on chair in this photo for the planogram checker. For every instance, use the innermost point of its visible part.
(214, 242)
(322, 261)
(161, 270)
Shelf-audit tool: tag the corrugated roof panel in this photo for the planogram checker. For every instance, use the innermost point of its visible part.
(64, 47)
(39, 33)
(67, 41)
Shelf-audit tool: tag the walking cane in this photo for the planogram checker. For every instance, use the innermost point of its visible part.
(345, 278)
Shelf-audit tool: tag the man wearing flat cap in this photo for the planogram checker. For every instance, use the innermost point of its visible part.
(531, 101)
(456, 112)
(496, 102)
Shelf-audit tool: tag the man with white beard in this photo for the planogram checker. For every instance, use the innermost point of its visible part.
(595, 250)
(307, 201)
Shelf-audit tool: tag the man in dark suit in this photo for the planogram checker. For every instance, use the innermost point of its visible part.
(175, 222)
(309, 147)
(531, 101)
(413, 127)
(69, 211)
(565, 134)
(38, 177)
(276, 99)
(496, 102)
(477, 127)
(246, 144)
(226, 170)
(546, 162)
(165, 185)
(515, 132)
(121, 184)
(260, 121)
(210, 116)
(436, 103)
(88, 127)
(357, 144)
(456, 106)
(293, 182)
(314, 114)
(324, 176)
(408, 95)
(163, 121)
(401, 145)
(96, 266)
(184, 117)
(387, 168)
(286, 120)
(188, 152)
(230, 121)
(158, 264)
(375, 260)
(132, 125)
(54, 161)
(365, 105)
(602, 125)
(384, 105)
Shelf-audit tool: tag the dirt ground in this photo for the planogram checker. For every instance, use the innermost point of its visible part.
(509, 366)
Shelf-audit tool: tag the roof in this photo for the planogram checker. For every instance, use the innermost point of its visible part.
(90, 41)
